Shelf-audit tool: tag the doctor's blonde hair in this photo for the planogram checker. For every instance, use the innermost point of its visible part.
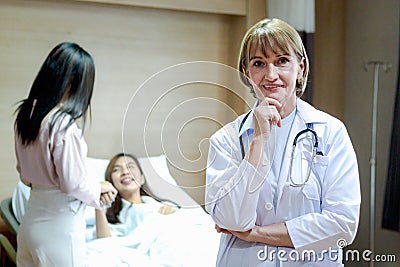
(279, 36)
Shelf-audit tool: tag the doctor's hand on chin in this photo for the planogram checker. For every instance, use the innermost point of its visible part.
(273, 234)
(266, 114)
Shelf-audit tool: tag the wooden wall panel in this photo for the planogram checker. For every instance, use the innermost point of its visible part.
(329, 69)
(129, 44)
(231, 7)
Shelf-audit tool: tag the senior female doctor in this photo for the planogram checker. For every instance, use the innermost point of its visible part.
(282, 180)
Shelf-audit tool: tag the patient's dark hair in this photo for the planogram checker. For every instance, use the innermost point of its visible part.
(113, 212)
(67, 77)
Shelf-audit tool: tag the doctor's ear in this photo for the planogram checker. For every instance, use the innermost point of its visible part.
(246, 76)
(302, 66)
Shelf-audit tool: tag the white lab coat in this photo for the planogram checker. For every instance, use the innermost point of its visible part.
(318, 215)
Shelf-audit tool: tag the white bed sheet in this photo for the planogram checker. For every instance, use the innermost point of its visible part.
(184, 238)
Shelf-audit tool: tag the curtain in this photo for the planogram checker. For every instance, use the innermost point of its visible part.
(391, 206)
(298, 13)
(301, 15)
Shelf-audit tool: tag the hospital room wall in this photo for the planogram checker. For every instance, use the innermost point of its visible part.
(348, 34)
(130, 42)
(128, 51)
(372, 34)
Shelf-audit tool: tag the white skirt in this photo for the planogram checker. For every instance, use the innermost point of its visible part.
(52, 232)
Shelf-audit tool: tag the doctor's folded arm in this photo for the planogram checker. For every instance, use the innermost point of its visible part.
(282, 180)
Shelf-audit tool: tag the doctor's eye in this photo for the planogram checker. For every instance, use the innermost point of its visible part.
(258, 64)
(283, 60)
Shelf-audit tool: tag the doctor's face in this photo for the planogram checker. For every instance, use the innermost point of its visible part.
(274, 75)
(126, 175)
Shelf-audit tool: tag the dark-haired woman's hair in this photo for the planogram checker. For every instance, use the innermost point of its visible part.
(66, 77)
(113, 212)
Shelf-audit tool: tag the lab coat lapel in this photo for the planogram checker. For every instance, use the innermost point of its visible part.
(298, 125)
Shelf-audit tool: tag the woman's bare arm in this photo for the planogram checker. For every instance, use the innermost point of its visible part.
(102, 229)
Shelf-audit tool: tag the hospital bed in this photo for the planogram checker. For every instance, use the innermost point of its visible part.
(7, 252)
(187, 238)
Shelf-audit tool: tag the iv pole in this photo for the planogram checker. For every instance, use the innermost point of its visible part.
(385, 67)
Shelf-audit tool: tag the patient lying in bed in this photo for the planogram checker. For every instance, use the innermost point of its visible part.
(132, 204)
(138, 230)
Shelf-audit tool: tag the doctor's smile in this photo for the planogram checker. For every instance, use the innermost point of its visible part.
(283, 188)
(271, 88)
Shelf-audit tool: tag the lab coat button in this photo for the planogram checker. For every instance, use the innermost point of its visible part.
(268, 206)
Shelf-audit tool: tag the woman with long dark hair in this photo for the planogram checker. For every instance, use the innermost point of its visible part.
(51, 158)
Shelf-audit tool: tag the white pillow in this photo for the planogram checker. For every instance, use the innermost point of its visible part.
(159, 165)
(96, 168)
(159, 183)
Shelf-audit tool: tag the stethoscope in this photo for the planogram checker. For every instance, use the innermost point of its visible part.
(313, 155)
(299, 136)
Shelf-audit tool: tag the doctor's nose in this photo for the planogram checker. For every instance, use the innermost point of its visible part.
(270, 72)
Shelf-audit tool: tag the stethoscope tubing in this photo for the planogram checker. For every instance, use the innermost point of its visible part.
(313, 155)
(314, 151)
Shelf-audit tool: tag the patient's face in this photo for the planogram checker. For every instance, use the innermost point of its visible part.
(126, 175)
